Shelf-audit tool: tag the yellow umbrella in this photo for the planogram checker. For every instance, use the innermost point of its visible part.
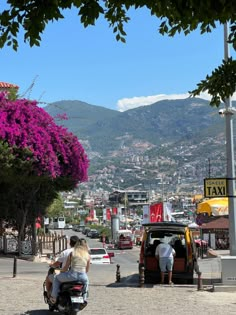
(214, 206)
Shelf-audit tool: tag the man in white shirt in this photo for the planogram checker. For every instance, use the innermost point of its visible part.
(165, 253)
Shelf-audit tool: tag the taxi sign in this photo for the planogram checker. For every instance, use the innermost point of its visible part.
(215, 187)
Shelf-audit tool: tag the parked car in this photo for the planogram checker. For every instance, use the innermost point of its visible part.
(93, 234)
(68, 226)
(81, 228)
(86, 230)
(185, 261)
(75, 227)
(100, 255)
(90, 232)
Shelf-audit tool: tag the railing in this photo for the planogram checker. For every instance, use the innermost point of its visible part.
(51, 244)
(202, 250)
(45, 245)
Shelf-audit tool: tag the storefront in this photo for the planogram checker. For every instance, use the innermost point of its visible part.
(216, 233)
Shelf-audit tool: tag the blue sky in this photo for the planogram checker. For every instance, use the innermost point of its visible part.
(89, 65)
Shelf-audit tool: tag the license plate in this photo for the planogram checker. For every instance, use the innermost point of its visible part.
(77, 299)
(96, 258)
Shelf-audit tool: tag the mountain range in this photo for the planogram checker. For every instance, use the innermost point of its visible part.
(140, 137)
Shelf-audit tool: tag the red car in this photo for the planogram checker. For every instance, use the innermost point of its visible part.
(200, 242)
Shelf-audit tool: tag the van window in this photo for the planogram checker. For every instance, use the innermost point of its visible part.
(165, 237)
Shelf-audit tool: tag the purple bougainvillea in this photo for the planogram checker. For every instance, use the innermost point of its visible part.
(55, 152)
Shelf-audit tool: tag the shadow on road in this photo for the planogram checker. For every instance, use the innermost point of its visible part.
(37, 312)
(129, 281)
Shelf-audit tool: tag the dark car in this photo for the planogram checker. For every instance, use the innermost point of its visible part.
(75, 227)
(94, 234)
(86, 230)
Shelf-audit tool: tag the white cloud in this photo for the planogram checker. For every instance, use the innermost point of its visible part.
(137, 101)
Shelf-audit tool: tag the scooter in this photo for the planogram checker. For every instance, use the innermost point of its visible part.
(70, 298)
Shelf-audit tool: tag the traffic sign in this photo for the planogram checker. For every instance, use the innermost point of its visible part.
(215, 187)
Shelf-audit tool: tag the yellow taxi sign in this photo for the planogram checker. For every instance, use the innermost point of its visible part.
(215, 187)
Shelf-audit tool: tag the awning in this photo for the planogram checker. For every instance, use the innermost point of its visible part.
(216, 224)
(193, 225)
(214, 206)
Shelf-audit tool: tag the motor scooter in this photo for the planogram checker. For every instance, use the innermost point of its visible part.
(70, 298)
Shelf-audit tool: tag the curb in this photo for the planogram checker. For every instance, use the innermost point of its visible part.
(212, 254)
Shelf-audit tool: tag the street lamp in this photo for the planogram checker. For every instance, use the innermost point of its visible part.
(228, 113)
(162, 187)
(125, 203)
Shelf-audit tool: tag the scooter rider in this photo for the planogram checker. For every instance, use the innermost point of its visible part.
(60, 262)
(79, 262)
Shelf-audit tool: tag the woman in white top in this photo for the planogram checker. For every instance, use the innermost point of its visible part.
(78, 261)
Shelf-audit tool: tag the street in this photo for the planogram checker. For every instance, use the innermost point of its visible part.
(23, 295)
(127, 259)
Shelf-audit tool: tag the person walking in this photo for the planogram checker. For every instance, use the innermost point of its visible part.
(165, 254)
(79, 262)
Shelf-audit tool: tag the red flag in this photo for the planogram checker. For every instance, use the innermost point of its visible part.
(38, 223)
(91, 213)
(114, 210)
(108, 213)
(156, 212)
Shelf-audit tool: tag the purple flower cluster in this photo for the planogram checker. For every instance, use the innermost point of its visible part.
(55, 152)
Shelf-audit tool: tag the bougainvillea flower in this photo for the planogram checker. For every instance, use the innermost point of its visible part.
(53, 150)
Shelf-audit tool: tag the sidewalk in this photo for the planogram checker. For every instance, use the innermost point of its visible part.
(23, 295)
(218, 253)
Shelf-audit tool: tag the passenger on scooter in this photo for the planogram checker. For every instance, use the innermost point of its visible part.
(79, 262)
(60, 262)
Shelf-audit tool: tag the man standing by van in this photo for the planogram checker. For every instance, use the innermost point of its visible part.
(165, 254)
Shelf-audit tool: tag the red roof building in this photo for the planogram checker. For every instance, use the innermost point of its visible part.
(8, 85)
(4, 86)
(216, 232)
(221, 223)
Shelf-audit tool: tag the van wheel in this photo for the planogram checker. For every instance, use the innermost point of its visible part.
(51, 308)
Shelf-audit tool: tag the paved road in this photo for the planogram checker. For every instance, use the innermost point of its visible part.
(210, 267)
(23, 295)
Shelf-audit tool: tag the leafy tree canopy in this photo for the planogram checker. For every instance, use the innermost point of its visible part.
(56, 208)
(175, 16)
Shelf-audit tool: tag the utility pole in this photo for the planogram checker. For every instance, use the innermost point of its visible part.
(125, 204)
(209, 168)
(162, 189)
(230, 158)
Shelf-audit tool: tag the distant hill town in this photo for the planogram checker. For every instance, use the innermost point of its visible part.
(168, 147)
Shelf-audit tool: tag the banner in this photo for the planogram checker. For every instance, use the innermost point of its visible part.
(104, 214)
(114, 211)
(119, 210)
(108, 214)
(156, 212)
(146, 216)
(167, 209)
